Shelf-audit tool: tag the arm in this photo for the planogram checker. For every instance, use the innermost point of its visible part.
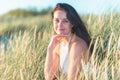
(52, 58)
(76, 54)
(51, 65)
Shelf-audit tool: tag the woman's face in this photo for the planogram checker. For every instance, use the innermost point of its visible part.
(60, 22)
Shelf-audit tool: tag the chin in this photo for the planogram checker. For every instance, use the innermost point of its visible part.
(61, 33)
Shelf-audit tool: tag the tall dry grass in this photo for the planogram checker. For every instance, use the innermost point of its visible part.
(26, 50)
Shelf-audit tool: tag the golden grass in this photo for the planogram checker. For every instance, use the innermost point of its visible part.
(25, 54)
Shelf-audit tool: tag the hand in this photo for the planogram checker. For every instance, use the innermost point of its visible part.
(57, 39)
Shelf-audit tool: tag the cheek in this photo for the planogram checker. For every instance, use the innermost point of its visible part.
(69, 27)
(55, 27)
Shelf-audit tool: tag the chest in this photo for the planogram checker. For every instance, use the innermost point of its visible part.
(64, 58)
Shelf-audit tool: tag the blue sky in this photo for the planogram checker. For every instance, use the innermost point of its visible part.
(82, 6)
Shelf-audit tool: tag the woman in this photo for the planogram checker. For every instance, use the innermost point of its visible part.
(68, 46)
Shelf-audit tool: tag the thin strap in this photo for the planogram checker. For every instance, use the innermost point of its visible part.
(69, 40)
(69, 43)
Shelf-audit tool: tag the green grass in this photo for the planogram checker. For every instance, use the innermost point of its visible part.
(25, 56)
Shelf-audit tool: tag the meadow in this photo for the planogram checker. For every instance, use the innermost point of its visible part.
(23, 57)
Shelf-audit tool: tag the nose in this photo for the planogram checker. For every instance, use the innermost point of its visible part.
(60, 24)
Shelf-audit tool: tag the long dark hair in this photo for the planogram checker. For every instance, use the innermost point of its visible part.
(78, 26)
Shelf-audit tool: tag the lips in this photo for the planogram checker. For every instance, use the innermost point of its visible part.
(61, 29)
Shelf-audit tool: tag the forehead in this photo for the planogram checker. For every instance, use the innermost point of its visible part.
(60, 13)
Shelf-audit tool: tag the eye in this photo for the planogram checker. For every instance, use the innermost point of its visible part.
(56, 20)
(66, 20)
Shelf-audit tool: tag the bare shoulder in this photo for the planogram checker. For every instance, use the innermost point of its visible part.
(78, 47)
(80, 44)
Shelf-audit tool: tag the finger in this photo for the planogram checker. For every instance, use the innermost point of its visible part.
(58, 37)
(62, 35)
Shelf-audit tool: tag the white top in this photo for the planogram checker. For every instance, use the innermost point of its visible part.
(64, 57)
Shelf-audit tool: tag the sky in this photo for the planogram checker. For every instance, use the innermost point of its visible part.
(82, 6)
